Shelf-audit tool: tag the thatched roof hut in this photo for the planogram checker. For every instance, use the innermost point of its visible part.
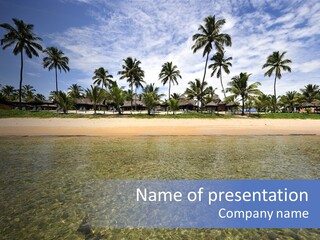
(187, 104)
(136, 105)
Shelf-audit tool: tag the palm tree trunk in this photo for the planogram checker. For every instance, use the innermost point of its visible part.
(57, 91)
(169, 89)
(224, 93)
(275, 94)
(242, 106)
(56, 80)
(20, 84)
(204, 76)
(169, 95)
(135, 102)
(131, 98)
(104, 102)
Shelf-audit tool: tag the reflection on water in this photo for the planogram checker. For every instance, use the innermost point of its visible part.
(46, 182)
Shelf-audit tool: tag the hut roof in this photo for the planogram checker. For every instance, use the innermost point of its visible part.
(212, 104)
(312, 104)
(187, 102)
(134, 103)
(232, 104)
(83, 101)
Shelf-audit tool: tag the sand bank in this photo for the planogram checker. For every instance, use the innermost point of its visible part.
(135, 127)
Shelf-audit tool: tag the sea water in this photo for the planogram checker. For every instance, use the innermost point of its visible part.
(48, 184)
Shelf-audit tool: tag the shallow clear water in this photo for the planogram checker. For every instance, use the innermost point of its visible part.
(47, 183)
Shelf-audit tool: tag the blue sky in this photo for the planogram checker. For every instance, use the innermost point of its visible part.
(101, 33)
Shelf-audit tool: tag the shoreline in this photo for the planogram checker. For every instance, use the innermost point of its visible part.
(156, 127)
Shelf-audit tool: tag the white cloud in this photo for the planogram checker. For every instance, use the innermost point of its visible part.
(156, 32)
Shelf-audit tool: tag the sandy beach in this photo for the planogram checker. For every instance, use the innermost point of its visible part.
(136, 127)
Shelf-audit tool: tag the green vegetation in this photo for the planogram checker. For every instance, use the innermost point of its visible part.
(53, 114)
(286, 116)
(39, 114)
(197, 90)
(96, 95)
(151, 97)
(239, 87)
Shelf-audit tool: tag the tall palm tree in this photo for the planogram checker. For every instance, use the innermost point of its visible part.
(310, 92)
(96, 96)
(169, 73)
(133, 73)
(276, 63)
(197, 90)
(220, 63)
(102, 77)
(25, 40)
(55, 59)
(239, 87)
(209, 35)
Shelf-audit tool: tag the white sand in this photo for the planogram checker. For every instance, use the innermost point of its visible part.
(131, 127)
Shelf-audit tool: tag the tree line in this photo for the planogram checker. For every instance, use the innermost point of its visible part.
(209, 37)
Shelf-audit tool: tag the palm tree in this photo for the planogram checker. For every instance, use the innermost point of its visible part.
(239, 87)
(289, 100)
(40, 97)
(75, 91)
(25, 41)
(176, 96)
(8, 92)
(118, 96)
(28, 92)
(209, 35)
(133, 73)
(173, 105)
(210, 94)
(64, 101)
(169, 73)
(197, 90)
(220, 63)
(263, 102)
(96, 96)
(102, 77)
(276, 63)
(310, 92)
(55, 59)
(151, 97)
